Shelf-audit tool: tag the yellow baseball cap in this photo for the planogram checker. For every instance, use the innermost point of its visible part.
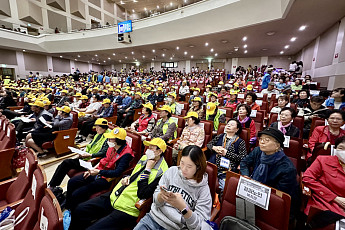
(119, 133)
(172, 94)
(213, 94)
(159, 89)
(165, 108)
(148, 105)
(196, 99)
(208, 86)
(157, 142)
(106, 101)
(105, 90)
(84, 97)
(64, 91)
(118, 90)
(37, 103)
(78, 94)
(197, 89)
(191, 114)
(210, 108)
(46, 102)
(148, 88)
(236, 84)
(65, 109)
(233, 92)
(101, 121)
(138, 93)
(127, 91)
(220, 83)
(249, 87)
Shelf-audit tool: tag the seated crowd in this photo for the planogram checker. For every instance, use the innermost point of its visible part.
(252, 115)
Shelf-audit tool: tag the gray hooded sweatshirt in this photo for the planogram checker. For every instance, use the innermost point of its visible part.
(196, 195)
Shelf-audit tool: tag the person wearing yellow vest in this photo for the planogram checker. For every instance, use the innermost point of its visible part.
(96, 148)
(116, 209)
(213, 114)
(166, 126)
(171, 102)
(98, 178)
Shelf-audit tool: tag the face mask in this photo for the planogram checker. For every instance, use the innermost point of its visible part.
(92, 100)
(74, 99)
(169, 99)
(111, 144)
(340, 154)
(150, 154)
(195, 93)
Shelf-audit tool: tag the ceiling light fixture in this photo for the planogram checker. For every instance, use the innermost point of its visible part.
(153, 51)
(224, 41)
(24, 50)
(293, 39)
(125, 57)
(75, 59)
(244, 38)
(143, 56)
(177, 48)
(163, 55)
(191, 46)
(185, 52)
(78, 56)
(216, 54)
(145, 9)
(206, 44)
(132, 52)
(264, 49)
(120, 61)
(133, 10)
(171, 58)
(245, 46)
(135, 1)
(113, 54)
(212, 50)
(152, 59)
(302, 28)
(192, 56)
(60, 56)
(246, 51)
(103, 61)
(286, 47)
(236, 48)
(271, 33)
(108, 58)
(171, 3)
(96, 55)
(122, 3)
(157, 7)
(281, 52)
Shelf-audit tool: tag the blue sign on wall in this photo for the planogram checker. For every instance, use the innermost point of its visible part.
(124, 27)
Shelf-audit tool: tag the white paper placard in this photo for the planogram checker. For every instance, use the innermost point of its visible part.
(259, 102)
(224, 162)
(175, 119)
(4, 128)
(313, 92)
(179, 108)
(222, 111)
(332, 150)
(254, 192)
(253, 113)
(66, 137)
(85, 164)
(286, 141)
(259, 95)
(340, 224)
(26, 167)
(129, 141)
(202, 125)
(8, 132)
(33, 186)
(240, 96)
(43, 221)
(155, 115)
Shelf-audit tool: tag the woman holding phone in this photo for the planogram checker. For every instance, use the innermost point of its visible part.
(182, 198)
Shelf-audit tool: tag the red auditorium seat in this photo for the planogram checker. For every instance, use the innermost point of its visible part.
(212, 170)
(275, 218)
(294, 152)
(50, 211)
(180, 124)
(228, 111)
(15, 189)
(208, 127)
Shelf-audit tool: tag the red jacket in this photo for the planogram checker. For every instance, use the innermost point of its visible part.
(320, 135)
(326, 179)
(109, 161)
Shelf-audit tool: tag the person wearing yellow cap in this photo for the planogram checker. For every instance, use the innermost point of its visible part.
(146, 122)
(126, 100)
(196, 93)
(117, 98)
(49, 94)
(64, 98)
(207, 92)
(197, 107)
(96, 148)
(192, 134)
(166, 127)
(129, 110)
(99, 178)
(159, 96)
(232, 101)
(106, 110)
(213, 114)
(146, 93)
(118, 208)
(171, 102)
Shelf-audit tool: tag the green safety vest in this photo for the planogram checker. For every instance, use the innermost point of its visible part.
(125, 202)
(166, 126)
(216, 120)
(94, 148)
(173, 108)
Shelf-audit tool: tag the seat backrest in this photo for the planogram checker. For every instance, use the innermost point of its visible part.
(221, 128)
(180, 124)
(156, 115)
(228, 111)
(295, 151)
(168, 155)
(9, 138)
(75, 119)
(21, 185)
(49, 213)
(277, 215)
(3, 130)
(211, 170)
(299, 123)
(259, 121)
(134, 141)
(6, 156)
(293, 106)
(32, 199)
(208, 127)
(316, 122)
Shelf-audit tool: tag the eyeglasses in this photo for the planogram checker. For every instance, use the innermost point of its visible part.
(264, 139)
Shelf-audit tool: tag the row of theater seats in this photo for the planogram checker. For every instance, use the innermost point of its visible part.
(7, 146)
(28, 194)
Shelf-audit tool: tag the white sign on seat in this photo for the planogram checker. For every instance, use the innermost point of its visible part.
(129, 141)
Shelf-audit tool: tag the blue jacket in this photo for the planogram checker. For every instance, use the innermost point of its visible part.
(106, 112)
(330, 102)
(265, 80)
(126, 101)
(117, 100)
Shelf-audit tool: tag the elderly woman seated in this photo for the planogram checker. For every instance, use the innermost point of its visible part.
(146, 122)
(328, 133)
(283, 101)
(192, 134)
(326, 179)
(243, 117)
(285, 124)
(271, 166)
(228, 149)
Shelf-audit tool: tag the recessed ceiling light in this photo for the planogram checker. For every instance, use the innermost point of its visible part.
(108, 58)
(245, 46)
(122, 3)
(192, 56)
(143, 56)
(78, 56)
(153, 51)
(145, 9)
(177, 48)
(281, 52)
(24, 50)
(103, 61)
(206, 44)
(171, 3)
(163, 55)
(171, 58)
(99, 63)
(244, 38)
(60, 56)
(286, 47)
(293, 39)
(113, 54)
(120, 61)
(75, 59)
(133, 10)
(224, 41)
(271, 33)
(135, 1)
(126, 57)
(212, 50)
(164, 49)
(236, 48)
(132, 52)
(152, 59)
(246, 51)
(216, 54)
(96, 55)
(191, 46)
(264, 49)
(302, 28)
(157, 7)
(185, 52)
